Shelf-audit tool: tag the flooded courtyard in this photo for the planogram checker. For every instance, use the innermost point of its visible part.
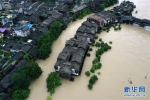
(128, 60)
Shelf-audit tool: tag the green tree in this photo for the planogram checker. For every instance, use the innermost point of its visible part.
(95, 61)
(78, 1)
(87, 73)
(21, 80)
(101, 6)
(90, 86)
(97, 44)
(26, 57)
(99, 65)
(90, 49)
(88, 54)
(55, 29)
(44, 51)
(20, 94)
(74, 17)
(49, 98)
(32, 69)
(53, 81)
(64, 24)
(93, 79)
(45, 38)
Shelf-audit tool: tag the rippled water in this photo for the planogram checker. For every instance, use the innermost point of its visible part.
(129, 59)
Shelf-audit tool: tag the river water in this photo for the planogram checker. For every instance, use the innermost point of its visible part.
(128, 60)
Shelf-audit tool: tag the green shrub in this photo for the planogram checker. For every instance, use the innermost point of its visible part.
(110, 42)
(90, 49)
(104, 29)
(49, 98)
(102, 44)
(90, 86)
(22, 79)
(105, 48)
(26, 57)
(99, 73)
(100, 39)
(99, 65)
(92, 44)
(96, 37)
(93, 41)
(93, 69)
(99, 31)
(97, 44)
(1, 52)
(95, 61)
(98, 57)
(20, 94)
(93, 79)
(53, 81)
(87, 73)
(109, 47)
(88, 54)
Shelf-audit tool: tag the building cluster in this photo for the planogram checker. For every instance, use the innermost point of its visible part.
(70, 60)
(22, 22)
(125, 8)
(103, 18)
(134, 20)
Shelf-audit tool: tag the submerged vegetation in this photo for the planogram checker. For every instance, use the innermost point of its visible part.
(53, 81)
(49, 98)
(92, 81)
(102, 47)
(87, 73)
(88, 54)
(90, 49)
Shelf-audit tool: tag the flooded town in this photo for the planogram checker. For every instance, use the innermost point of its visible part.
(126, 64)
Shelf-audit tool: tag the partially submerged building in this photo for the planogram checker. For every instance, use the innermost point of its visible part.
(88, 30)
(125, 8)
(103, 18)
(70, 60)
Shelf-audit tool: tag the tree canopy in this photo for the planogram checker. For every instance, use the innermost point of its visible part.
(45, 41)
(22, 79)
(53, 81)
(102, 6)
(20, 94)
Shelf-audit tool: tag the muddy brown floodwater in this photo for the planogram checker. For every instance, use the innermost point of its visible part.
(128, 60)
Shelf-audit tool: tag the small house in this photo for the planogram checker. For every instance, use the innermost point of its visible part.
(22, 31)
(96, 19)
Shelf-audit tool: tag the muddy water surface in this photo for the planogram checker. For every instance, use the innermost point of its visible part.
(128, 60)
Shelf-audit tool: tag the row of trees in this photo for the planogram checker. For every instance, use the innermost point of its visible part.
(102, 47)
(81, 14)
(53, 81)
(22, 79)
(45, 41)
(108, 3)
